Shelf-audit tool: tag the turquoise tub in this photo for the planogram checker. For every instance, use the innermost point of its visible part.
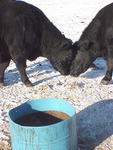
(58, 136)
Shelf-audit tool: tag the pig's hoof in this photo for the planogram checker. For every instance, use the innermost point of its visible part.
(105, 82)
(1, 84)
(28, 84)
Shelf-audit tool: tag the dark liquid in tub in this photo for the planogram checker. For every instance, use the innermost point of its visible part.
(42, 118)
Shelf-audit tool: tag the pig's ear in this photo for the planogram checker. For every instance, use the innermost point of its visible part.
(67, 44)
(86, 44)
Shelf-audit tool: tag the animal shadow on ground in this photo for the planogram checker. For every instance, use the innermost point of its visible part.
(43, 67)
(100, 69)
(95, 124)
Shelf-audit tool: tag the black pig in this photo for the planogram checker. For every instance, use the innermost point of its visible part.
(96, 41)
(26, 33)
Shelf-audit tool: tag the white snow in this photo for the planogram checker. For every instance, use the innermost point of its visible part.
(93, 101)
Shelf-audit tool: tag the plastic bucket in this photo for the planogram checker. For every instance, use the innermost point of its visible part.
(58, 136)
